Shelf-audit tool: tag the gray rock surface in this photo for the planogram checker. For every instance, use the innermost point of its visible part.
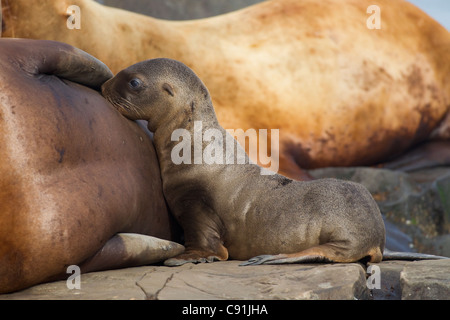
(389, 286)
(428, 280)
(179, 9)
(227, 280)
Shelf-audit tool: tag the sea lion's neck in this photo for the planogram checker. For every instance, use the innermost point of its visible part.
(193, 136)
(196, 110)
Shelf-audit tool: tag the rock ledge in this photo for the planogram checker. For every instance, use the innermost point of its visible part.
(226, 280)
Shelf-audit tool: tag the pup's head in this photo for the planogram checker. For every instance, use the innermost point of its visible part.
(154, 90)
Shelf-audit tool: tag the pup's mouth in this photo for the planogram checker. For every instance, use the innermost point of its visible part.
(110, 96)
(104, 89)
(125, 107)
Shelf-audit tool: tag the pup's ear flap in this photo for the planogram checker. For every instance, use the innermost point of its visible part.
(169, 89)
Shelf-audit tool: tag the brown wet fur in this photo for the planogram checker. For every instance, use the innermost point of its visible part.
(199, 256)
(73, 171)
(341, 94)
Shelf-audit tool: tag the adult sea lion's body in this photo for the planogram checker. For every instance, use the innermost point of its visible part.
(233, 210)
(340, 93)
(69, 183)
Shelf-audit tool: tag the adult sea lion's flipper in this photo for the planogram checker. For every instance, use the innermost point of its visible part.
(64, 61)
(131, 249)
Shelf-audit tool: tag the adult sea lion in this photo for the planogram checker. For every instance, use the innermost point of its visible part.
(341, 94)
(73, 191)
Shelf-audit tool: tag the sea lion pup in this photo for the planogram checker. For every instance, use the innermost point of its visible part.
(234, 210)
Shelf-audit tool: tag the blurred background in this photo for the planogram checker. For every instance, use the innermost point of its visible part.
(438, 9)
(180, 9)
(196, 9)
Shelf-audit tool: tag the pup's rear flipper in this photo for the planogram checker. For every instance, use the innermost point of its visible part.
(329, 252)
(395, 255)
(283, 259)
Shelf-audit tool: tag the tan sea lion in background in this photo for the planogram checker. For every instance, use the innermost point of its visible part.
(76, 178)
(341, 94)
(233, 210)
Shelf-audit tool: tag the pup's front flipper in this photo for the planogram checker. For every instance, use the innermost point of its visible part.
(197, 256)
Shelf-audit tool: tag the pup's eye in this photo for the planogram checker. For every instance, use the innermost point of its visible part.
(135, 83)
